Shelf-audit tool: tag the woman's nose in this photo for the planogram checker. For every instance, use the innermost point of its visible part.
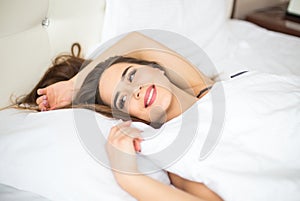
(137, 93)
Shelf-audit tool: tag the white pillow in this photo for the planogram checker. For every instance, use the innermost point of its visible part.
(9, 193)
(44, 153)
(198, 20)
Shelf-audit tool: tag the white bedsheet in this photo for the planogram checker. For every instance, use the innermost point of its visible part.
(241, 45)
(8, 193)
(42, 153)
(256, 155)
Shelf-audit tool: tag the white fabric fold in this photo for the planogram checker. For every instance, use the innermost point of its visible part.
(256, 155)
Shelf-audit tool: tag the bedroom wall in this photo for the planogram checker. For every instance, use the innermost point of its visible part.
(244, 7)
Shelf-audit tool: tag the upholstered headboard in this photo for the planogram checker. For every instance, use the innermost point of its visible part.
(32, 32)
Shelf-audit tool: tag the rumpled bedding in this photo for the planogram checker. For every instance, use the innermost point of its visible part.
(8, 193)
(245, 145)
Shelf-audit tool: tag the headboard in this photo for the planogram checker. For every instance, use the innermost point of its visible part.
(33, 32)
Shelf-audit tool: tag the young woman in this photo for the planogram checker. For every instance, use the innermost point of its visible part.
(156, 86)
(129, 85)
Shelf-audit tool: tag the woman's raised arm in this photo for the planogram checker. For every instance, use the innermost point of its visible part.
(136, 45)
(61, 94)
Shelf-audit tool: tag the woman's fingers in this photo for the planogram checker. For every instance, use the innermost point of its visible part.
(42, 102)
(123, 143)
(126, 129)
(41, 99)
(116, 129)
(131, 134)
(137, 144)
(124, 124)
(42, 91)
(57, 95)
(125, 137)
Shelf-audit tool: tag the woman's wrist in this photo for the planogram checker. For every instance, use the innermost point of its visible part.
(130, 182)
(124, 179)
(74, 88)
(143, 187)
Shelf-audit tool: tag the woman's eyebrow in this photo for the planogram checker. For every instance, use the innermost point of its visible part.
(124, 72)
(118, 93)
(115, 99)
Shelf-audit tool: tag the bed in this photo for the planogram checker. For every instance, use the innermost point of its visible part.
(41, 161)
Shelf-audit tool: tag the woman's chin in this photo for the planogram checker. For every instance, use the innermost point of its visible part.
(157, 113)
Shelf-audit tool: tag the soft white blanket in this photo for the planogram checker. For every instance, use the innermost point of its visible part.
(241, 140)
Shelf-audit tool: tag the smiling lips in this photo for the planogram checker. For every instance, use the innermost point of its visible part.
(150, 96)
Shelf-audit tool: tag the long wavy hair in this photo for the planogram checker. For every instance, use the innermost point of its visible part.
(66, 66)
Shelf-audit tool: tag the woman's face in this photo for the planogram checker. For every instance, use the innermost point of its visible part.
(139, 90)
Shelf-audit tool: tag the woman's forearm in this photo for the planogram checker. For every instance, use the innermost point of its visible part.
(144, 188)
(122, 156)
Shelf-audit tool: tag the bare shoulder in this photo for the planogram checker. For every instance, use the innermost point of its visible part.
(195, 188)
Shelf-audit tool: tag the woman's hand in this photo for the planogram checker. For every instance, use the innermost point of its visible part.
(122, 145)
(55, 95)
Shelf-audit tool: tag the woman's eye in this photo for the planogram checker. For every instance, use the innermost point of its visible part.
(122, 102)
(131, 75)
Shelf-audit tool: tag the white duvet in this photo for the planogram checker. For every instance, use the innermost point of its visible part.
(42, 153)
(243, 147)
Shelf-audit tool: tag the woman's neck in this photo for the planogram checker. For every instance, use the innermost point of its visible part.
(191, 86)
(184, 99)
(202, 88)
(180, 103)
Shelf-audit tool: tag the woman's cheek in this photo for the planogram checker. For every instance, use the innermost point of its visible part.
(157, 114)
(164, 98)
(138, 110)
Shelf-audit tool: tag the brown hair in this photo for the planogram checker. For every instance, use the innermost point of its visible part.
(65, 66)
